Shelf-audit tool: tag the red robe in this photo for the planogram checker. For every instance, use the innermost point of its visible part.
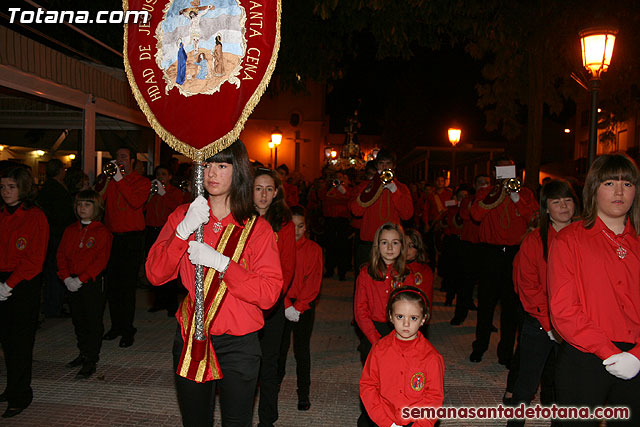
(124, 201)
(423, 279)
(84, 251)
(401, 374)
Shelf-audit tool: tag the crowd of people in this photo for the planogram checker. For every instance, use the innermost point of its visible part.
(565, 278)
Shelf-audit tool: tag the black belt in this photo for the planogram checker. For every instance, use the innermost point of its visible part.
(129, 233)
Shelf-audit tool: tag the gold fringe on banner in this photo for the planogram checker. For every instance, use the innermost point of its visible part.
(226, 140)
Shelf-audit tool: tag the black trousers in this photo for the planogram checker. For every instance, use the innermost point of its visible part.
(54, 289)
(582, 380)
(365, 347)
(469, 267)
(338, 253)
(239, 358)
(18, 323)
(87, 308)
(537, 352)
(301, 350)
(122, 278)
(496, 284)
(270, 340)
(165, 296)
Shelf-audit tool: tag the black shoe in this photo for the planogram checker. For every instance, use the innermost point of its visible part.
(475, 356)
(456, 321)
(127, 340)
(12, 412)
(154, 309)
(88, 369)
(111, 335)
(75, 362)
(505, 362)
(3, 397)
(494, 329)
(473, 307)
(304, 405)
(507, 401)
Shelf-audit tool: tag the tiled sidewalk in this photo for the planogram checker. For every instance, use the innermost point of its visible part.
(134, 386)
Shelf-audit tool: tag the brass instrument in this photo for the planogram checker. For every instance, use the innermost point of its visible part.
(155, 187)
(512, 185)
(386, 176)
(184, 185)
(336, 183)
(110, 169)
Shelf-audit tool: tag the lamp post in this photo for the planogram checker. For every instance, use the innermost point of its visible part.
(597, 49)
(276, 139)
(454, 138)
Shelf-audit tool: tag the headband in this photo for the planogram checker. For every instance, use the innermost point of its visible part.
(414, 291)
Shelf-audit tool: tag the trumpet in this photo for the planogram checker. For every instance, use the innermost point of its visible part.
(386, 176)
(512, 185)
(155, 187)
(110, 169)
(184, 185)
(336, 183)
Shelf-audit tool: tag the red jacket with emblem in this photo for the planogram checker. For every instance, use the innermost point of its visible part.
(84, 251)
(24, 236)
(423, 279)
(124, 201)
(308, 277)
(401, 374)
(254, 283)
(370, 304)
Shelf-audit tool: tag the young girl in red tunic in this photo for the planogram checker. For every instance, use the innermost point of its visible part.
(417, 263)
(83, 255)
(403, 369)
(594, 292)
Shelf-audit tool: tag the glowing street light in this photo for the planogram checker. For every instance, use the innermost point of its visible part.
(454, 136)
(597, 50)
(276, 139)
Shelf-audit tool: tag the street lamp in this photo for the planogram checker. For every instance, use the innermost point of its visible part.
(597, 49)
(454, 139)
(276, 139)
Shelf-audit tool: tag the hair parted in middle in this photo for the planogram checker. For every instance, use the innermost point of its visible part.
(554, 189)
(93, 197)
(607, 167)
(241, 195)
(377, 268)
(418, 244)
(278, 212)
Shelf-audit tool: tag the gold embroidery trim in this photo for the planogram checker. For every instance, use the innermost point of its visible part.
(226, 140)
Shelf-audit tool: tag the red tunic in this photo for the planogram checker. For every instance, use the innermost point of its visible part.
(505, 224)
(254, 284)
(24, 236)
(124, 201)
(455, 223)
(286, 239)
(84, 251)
(470, 227)
(530, 276)
(401, 374)
(423, 279)
(308, 277)
(434, 206)
(159, 207)
(336, 204)
(370, 304)
(290, 194)
(594, 295)
(390, 207)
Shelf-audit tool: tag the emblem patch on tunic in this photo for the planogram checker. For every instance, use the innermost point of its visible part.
(21, 244)
(91, 242)
(418, 277)
(417, 381)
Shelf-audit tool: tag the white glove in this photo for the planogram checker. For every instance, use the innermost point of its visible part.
(161, 190)
(622, 365)
(391, 186)
(5, 291)
(395, 425)
(292, 314)
(551, 335)
(72, 283)
(514, 196)
(341, 189)
(197, 214)
(118, 176)
(203, 254)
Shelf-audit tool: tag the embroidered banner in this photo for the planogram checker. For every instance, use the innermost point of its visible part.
(198, 68)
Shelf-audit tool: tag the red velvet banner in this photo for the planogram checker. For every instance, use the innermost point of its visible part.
(198, 67)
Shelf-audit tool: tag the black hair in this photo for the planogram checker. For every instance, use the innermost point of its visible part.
(53, 168)
(409, 293)
(93, 197)
(24, 180)
(555, 189)
(386, 154)
(283, 168)
(278, 213)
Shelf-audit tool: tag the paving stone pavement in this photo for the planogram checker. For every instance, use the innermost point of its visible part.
(134, 386)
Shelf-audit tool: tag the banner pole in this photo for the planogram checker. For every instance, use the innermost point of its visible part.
(198, 188)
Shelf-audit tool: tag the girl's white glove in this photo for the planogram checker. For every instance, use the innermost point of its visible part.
(622, 365)
(5, 291)
(197, 214)
(292, 314)
(73, 284)
(203, 254)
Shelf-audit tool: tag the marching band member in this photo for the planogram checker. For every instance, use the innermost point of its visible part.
(268, 199)
(593, 277)
(243, 277)
(124, 196)
(82, 258)
(335, 209)
(24, 233)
